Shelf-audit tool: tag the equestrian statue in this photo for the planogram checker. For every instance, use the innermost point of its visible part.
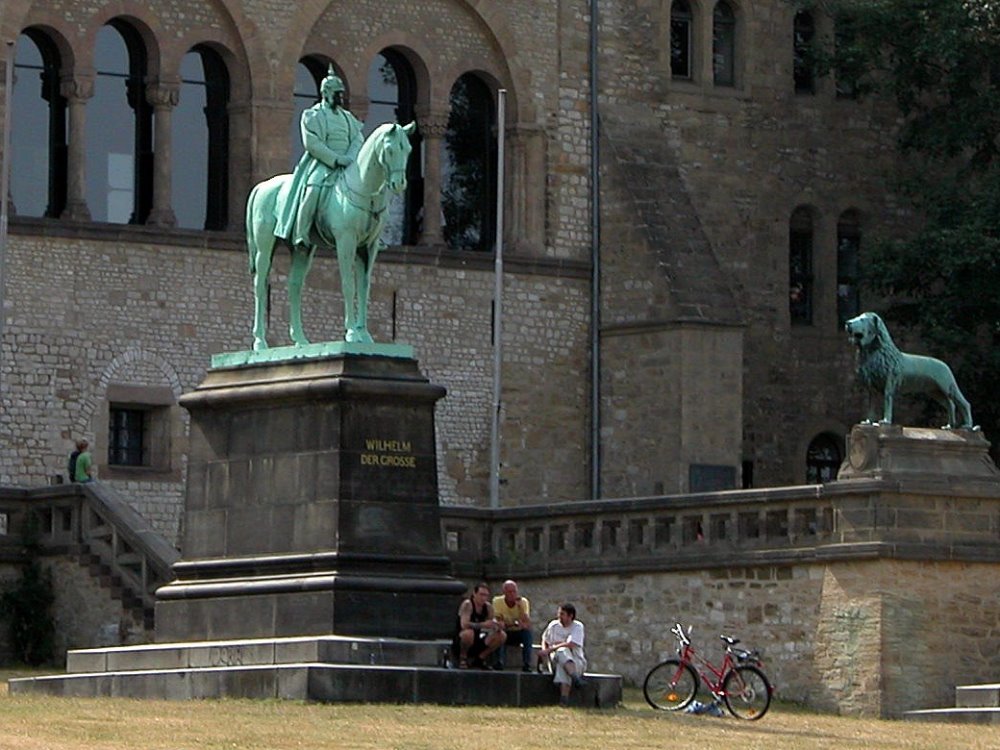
(336, 198)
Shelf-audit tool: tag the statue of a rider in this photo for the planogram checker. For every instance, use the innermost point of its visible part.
(332, 138)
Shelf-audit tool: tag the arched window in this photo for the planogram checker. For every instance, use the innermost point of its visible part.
(848, 249)
(803, 34)
(468, 199)
(800, 263)
(38, 128)
(681, 26)
(847, 71)
(309, 73)
(724, 44)
(392, 93)
(823, 458)
(201, 142)
(119, 129)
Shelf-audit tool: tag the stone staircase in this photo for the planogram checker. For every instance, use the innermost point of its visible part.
(316, 668)
(974, 704)
(117, 547)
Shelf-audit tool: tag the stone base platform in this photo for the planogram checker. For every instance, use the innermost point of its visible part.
(974, 704)
(327, 669)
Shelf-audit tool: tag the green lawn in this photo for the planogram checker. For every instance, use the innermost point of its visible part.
(42, 723)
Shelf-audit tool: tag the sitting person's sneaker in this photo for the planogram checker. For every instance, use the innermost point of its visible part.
(564, 701)
(527, 669)
(576, 680)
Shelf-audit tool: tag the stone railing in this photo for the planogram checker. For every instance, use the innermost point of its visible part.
(847, 519)
(88, 519)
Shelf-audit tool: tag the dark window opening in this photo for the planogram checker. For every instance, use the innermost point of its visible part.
(849, 66)
(119, 129)
(127, 437)
(724, 45)
(823, 459)
(392, 91)
(681, 23)
(800, 278)
(468, 199)
(848, 249)
(38, 170)
(803, 34)
(201, 133)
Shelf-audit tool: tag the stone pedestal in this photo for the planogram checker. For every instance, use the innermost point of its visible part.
(312, 505)
(895, 452)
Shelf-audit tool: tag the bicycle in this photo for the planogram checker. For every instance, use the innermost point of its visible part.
(740, 681)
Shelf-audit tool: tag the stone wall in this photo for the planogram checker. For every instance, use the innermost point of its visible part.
(865, 639)
(698, 183)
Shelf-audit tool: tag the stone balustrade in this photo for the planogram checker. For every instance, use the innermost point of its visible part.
(850, 519)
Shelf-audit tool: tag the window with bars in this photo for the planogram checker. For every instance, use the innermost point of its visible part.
(127, 436)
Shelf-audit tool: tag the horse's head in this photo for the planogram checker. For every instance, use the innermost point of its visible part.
(394, 153)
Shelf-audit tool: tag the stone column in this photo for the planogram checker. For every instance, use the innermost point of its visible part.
(241, 175)
(433, 126)
(77, 90)
(163, 95)
(525, 219)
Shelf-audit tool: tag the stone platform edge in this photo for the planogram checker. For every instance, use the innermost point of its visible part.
(330, 683)
(278, 354)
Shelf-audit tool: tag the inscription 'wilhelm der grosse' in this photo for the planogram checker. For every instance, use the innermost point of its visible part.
(393, 453)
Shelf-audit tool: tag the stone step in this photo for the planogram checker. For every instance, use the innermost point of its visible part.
(977, 696)
(331, 683)
(964, 715)
(332, 649)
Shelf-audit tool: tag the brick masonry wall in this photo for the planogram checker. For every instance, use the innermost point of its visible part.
(86, 615)
(737, 161)
(123, 319)
(867, 638)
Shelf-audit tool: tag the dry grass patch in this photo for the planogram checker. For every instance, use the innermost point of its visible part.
(42, 723)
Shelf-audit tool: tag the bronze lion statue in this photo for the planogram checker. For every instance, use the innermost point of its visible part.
(884, 368)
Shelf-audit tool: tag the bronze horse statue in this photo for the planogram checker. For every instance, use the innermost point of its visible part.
(349, 219)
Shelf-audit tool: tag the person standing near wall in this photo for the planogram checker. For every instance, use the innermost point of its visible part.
(81, 463)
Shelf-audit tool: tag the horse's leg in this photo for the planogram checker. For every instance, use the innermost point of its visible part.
(263, 250)
(347, 246)
(301, 263)
(363, 269)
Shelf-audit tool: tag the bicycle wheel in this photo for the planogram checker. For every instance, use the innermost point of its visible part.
(670, 685)
(747, 692)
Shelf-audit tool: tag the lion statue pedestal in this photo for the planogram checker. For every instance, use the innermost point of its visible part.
(887, 451)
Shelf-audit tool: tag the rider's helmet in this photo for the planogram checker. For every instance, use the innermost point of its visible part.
(332, 83)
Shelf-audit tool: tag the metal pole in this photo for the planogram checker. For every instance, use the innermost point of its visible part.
(595, 265)
(5, 181)
(498, 307)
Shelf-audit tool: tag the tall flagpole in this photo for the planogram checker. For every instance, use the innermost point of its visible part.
(5, 182)
(498, 308)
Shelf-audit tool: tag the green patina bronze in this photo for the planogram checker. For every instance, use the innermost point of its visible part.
(886, 370)
(335, 199)
(310, 351)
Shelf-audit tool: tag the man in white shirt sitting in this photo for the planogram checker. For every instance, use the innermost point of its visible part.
(562, 642)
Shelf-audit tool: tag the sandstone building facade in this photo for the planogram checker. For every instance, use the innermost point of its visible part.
(734, 192)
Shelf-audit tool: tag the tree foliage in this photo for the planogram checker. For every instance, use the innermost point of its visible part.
(27, 605)
(939, 62)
